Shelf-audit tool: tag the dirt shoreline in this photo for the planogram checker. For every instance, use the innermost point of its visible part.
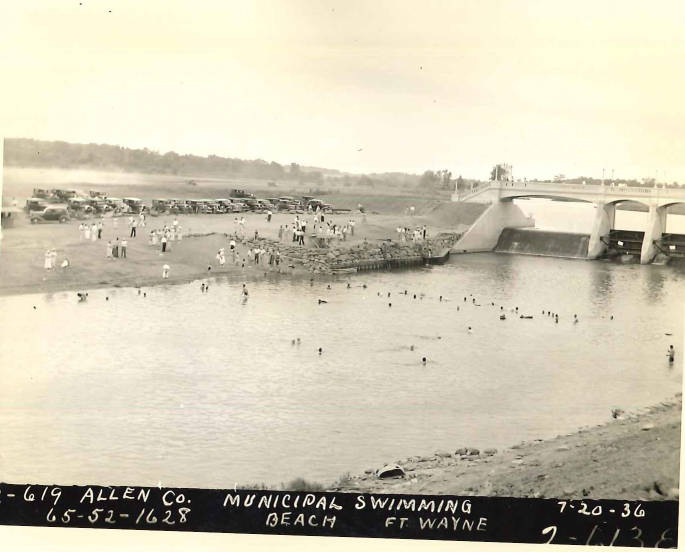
(634, 457)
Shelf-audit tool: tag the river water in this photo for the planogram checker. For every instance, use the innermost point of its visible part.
(201, 390)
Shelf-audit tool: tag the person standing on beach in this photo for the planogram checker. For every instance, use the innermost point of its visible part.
(115, 249)
(134, 225)
(165, 271)
(124, 245)
(108, 250)
(280, 233)
(48, 260)
(100, 230)
(80, 231)
(86, 232)
(268, 215)
(164, 243)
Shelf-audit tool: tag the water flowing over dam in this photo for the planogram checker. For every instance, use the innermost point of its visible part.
(527, 241)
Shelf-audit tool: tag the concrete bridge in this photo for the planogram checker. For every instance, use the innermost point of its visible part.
(503, 213)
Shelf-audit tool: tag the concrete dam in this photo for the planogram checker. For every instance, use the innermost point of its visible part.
(527, 241)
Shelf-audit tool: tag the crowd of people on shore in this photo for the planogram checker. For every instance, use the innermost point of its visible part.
(404, 234)
(319, 227)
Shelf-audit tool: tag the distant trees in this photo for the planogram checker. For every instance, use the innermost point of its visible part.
(441, 180)
(500, 172)
(38, 153)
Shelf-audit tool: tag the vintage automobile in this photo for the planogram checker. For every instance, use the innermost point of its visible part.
(35, 204)
(52, 213)
(80, 207)
(64, 195)
(135, 204)
(253, 204)
(41, 193)
(235, 192)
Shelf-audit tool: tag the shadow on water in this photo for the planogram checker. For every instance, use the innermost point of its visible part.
(602, 288)
(655, 278)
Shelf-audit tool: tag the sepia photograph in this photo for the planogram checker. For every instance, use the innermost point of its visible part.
(323, 249)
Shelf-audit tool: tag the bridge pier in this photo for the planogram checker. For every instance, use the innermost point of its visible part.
(656, 226)
(605, 216)
(484, 233)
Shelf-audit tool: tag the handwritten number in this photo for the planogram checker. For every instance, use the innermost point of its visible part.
(551, 529)
(639, 534)
(110, 516)
(562, 503)
(167, 518)
(663, 539)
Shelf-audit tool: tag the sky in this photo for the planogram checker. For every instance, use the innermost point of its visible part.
(548, 87)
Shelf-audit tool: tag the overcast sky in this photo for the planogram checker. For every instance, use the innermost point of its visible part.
(550, 87)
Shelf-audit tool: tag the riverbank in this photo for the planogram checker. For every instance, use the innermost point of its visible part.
(22, 250)
(634, 457)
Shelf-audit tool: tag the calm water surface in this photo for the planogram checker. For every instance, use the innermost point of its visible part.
(201, 390)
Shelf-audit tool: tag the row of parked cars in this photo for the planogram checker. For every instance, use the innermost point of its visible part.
(62, 205)
(235, 205)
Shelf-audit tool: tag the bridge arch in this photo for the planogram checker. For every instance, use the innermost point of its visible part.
(553, 197)
(616, 202)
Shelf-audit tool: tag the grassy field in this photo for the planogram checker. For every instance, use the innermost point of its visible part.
(20, 182)
(23, 246)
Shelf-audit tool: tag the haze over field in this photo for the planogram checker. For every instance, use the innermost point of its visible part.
(363, 87)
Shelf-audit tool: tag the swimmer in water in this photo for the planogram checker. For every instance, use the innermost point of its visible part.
(139, 292)
(348, 285)
(470, 330)
(320, 350)
(328, 286)
(611, 317)
(298, 340)
(671, 354)
(390, 304)
(145, 294)
(363, 286)
(575, 319)
(411, 347)
(423, 361)
(388, 294)
(292, 342)
(322, 301)
(82, 295)
(415, 296)
(441, 298)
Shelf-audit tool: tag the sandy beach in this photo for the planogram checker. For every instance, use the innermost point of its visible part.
(634, 457)
(23, 246)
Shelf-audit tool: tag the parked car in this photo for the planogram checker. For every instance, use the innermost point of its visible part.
(35, 204)
(53, 213)
(253, 204)
(134, 204)
(241, 194)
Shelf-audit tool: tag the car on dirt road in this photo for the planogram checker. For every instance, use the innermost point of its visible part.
(53, 213)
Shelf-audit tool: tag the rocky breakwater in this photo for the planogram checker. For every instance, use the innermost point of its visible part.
(340, 257)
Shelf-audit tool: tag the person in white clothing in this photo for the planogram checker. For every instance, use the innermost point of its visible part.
(165, 271)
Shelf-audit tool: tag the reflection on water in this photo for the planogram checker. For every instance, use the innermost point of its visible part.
(199, 390)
